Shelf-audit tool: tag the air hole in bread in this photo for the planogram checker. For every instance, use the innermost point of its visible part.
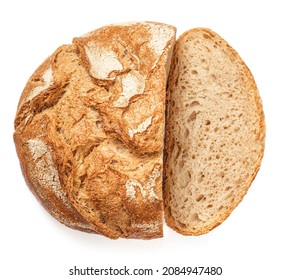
(196, 218)
(220, 208)
(200, 197)
(185, 153)
(182, 225)
(230, 195)
(194, 103)
(192, 117)
(200, 177)
(221, 174)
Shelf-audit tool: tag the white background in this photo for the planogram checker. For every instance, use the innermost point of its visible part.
(253, 243)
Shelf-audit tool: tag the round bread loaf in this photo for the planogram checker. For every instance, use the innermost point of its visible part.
(89, 130)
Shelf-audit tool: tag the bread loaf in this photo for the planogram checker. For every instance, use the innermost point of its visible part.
(89, 130)
(215, 133)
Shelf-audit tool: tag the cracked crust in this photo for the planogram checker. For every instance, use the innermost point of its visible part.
(90, 121)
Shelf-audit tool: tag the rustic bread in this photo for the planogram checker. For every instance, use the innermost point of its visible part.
(89, 130)
(215, 133)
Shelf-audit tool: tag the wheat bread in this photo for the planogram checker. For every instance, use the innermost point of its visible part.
(215, 133)
(89, 130)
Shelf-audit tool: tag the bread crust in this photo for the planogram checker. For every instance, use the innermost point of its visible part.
(174, 111)
(89, 130)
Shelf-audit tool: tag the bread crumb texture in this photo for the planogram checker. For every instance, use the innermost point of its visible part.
(89, 130)
(215, 133)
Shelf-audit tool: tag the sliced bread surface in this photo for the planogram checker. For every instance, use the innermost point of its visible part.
(215, 133)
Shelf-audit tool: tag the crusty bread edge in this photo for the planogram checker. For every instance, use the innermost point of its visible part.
(78, 223)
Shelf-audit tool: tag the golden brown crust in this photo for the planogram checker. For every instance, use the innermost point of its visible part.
(176, 76)
(89, 130)
(40, 173)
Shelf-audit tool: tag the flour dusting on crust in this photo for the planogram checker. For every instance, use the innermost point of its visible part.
(48, 81)
(46, 173)
(141, 128)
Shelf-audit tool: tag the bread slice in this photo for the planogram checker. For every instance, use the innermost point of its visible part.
(89, 130)
(215, 133)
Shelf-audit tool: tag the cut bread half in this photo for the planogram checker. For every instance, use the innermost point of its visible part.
(215, 133)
